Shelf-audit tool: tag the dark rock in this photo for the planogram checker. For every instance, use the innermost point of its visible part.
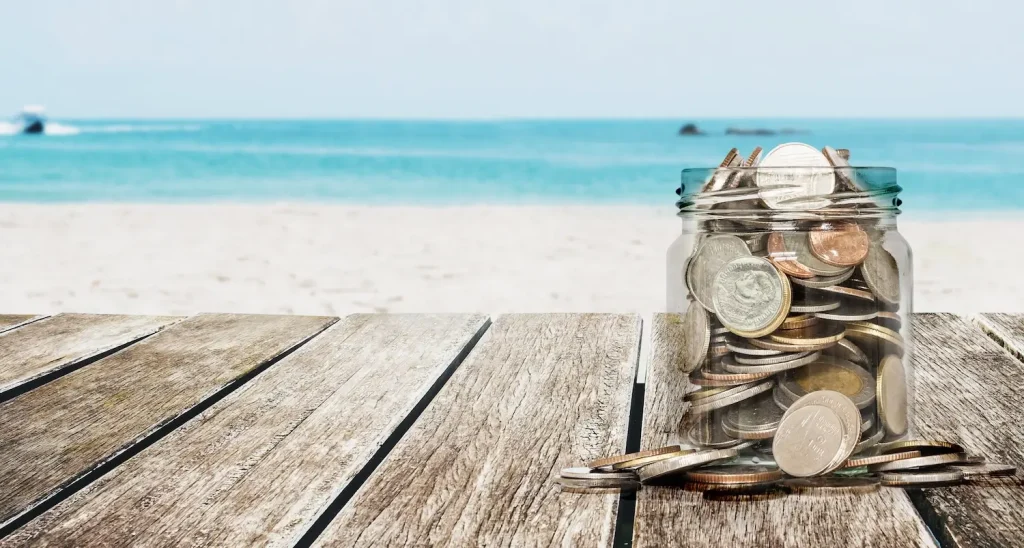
(690, 129)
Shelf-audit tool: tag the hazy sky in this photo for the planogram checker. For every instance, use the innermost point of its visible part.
(512, 58)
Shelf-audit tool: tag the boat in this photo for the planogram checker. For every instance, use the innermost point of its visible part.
(32, 120)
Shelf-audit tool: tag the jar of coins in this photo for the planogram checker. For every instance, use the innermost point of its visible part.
(793, 289)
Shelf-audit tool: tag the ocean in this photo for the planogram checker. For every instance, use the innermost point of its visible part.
(944, 165)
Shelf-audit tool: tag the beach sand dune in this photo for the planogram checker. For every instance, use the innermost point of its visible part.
(339, 259)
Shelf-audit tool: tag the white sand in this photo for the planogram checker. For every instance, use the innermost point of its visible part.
(313, 259)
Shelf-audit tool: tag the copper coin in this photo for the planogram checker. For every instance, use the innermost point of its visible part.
(786, 260)
(841, 244)
(858, 293)
(734, 474)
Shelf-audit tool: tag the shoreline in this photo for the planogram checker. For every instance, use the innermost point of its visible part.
(336, 259)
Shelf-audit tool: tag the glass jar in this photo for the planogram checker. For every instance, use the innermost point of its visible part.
(795, 294)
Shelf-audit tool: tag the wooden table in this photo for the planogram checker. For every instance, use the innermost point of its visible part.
(372, 430)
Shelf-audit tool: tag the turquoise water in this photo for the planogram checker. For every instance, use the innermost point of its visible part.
(943, 164)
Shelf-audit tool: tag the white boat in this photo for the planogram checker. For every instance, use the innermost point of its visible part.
(32, 120)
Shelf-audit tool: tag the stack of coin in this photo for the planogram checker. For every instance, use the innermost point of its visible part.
(783, 306)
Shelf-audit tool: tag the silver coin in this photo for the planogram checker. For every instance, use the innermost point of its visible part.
(809, 304)
(892, 395)
(751, 296)
(791, 175)
(767, 360)
(846, 350)
(808, 441)
(583, 472)
(800, 361)
(584, 485)
(696, 337)
(868, 441)
(719, 401)
(683, 463)
(741, 346)
(918, 462)
(882, 274)
(707, 432)
(847, 413)
(850, 311)
(821, 282)
(901, 479)
(797, 248)
(867, 424)
(755, 419)
(713, 254)
(719, 330)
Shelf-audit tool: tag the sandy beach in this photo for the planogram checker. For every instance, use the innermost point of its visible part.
(339, 259)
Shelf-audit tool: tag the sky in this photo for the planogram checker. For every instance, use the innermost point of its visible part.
(472, 59)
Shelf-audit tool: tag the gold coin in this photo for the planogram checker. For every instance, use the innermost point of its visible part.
(734, 474)
(867, 338)
(880, 459)
(828, 373)
(824, 333)
(644, 461)
(891, 392)
(880, 329)
(799, 321)
(610, 461)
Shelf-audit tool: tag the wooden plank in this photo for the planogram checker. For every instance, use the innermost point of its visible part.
(969, 389)
(12, 321)
(46, 347)
(262, 464)
(539, 393)
(54, 435)
(667, 516)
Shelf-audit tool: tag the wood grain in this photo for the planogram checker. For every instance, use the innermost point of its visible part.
(667, 516)
(11, 321)
(45, 347)
(970, 389)
(261, 465)
(539, 393)
(62, 430)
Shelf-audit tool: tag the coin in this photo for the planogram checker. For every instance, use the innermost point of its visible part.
(598, 483)
(644, 461)
(791, 252)
(901, 479)
(850, 311)
(583, 472)
(867, 442)
(756, 419)
(847, 412)
(706, 431)
(986, 470)
(716, 371)
(717, 330)
(754, 157)
(739, 361)
(718, 351)
(734, 474)
(611, 461)
(698, 379)
(892, 395)
(821, 282)
(882, 274)
(845, 291)
(843, 153)
(720, 177)
(800, 360)
(868, 424)
(875, 341)
(791, 175)
(846, 179)
(712, 255)
(918, 462)
(696, 337)
(822, 333)
(726, 398)
(751, 296)
(808, 440)
(880, 459)
(890, 320)
(741, 346)
(704, 393)
(839, 244)
(791, 348)
(812, 304)
(828, 373)
(798, 321)
(683, 463)
(927, 447)
(846, 350)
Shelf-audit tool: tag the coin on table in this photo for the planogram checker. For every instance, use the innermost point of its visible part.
(730, 397)
(809, 304)
(791, 252)
(713, 254)
(828, 373)
(821, 282)
(822, 333)
(734, 474)
(741, 346)
(696, 337)
(891, 392)
(598, 483)
(882, 274)
(856, 462)
(850, 311)
(986, 470)
(846, 350)
(798, 321)
(640, 462)
(683, 463)
(842, 244)
(808, 441)
(583, 472)
(793, 175)
(926, 447)
(795, 361)
(919, 462)
(845, 291)
(907, 479)
(756, 419)
(847, 412)
(613, 460)
(751, 296)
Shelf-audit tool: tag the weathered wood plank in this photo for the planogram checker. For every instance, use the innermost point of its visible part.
(59, 432)
(11, 321)
(970, 389)
(539, 393)
(668, 516)
(261, 465)
(1007, 328)
(46, 347)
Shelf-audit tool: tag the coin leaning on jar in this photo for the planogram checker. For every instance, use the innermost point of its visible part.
(751, 297)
